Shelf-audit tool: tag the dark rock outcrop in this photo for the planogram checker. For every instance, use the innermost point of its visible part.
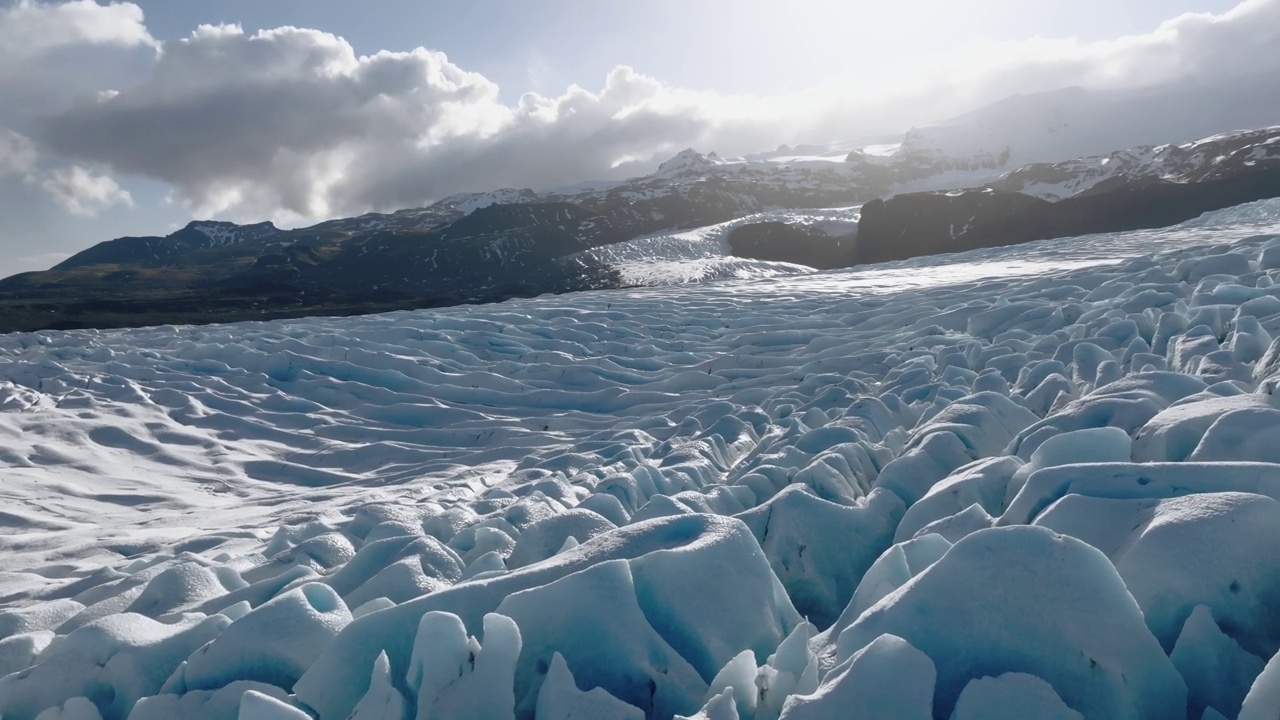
(916, 224)
(781, 242)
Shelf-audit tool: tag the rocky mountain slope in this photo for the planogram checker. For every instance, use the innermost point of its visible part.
(1146, 187)
(476, 247)
(1209, 159)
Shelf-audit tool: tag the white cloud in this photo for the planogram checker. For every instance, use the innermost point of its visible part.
(275, 119)
(82, 192)
(17, 154)
(292, 124)
(1189, 48)
(30, 28)
(76, 189)
(51, 53)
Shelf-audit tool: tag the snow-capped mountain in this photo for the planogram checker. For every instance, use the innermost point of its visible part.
(221, 234)
(485, 246)
(688, 161)
(1146, 187)
(196, 237)
(1203, 160)
(468, 248)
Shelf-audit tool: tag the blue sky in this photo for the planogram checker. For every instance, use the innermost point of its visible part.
(125, 118)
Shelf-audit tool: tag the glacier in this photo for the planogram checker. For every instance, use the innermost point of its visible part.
(1031, 481)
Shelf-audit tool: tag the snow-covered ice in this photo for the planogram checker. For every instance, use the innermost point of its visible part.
(703, 254)
(1037, 481)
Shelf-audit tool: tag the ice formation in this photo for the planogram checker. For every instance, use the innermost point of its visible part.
(1038, 481)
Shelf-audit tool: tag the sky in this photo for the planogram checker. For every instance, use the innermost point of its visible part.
(133, 118)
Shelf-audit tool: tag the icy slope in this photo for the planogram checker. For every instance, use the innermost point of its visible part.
(1037, 481)
(703, 254)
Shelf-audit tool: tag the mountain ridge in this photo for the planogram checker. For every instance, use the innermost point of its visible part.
(484, 247)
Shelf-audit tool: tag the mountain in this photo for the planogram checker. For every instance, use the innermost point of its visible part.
(1146, 187)
(1208, 159)
(490, 246)
(476, 247)
(197, 236)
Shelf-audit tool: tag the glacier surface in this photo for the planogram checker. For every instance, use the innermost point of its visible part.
(1038, 481)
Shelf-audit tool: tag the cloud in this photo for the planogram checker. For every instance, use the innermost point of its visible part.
(1190, 48)
(273, 120)
(29, 29)
(292, 124)
(49, 54)
(82, 192)
(17, 154)
(77, 189)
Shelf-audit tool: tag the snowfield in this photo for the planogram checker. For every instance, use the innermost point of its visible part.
(1029, 482)
(703, 254)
